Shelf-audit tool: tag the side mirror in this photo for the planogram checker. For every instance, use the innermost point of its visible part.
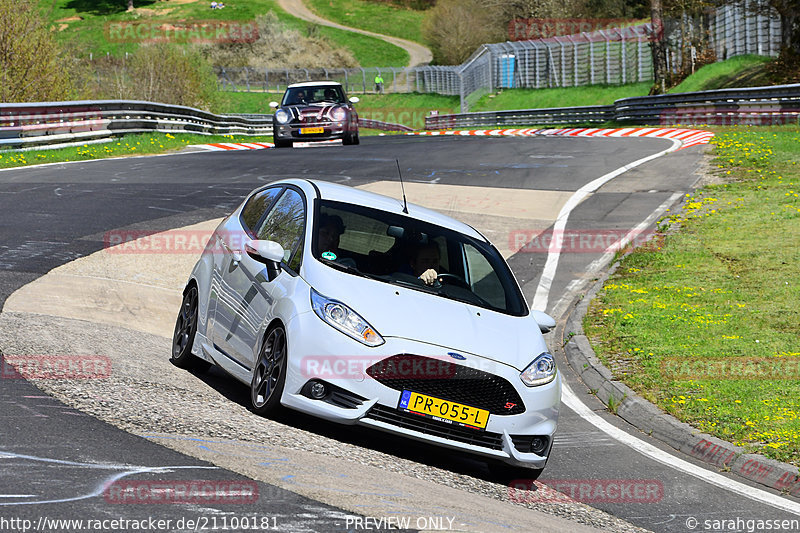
(545, 321)
(268, 252)
(353, 99)
(273, 105)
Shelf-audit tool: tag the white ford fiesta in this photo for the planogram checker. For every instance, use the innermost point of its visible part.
(356, 308)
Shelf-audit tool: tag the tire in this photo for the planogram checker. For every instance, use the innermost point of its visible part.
(347, 140)
(356, 140)
(183, 337)
(269, 374)
(280, 143)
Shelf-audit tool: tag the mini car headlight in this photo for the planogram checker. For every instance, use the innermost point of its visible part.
(344, 319)
(338, 114)
(541, 371)
(282, 116)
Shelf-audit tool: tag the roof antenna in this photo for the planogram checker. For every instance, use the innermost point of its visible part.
(405, 204)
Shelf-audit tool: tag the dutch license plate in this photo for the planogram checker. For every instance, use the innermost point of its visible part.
(463, 415)
(308, 131)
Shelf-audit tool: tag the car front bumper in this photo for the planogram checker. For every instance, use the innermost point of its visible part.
(295, 132)
(317, 351)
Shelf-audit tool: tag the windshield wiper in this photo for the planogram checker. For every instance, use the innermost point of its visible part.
(411, 285)
(346, 268)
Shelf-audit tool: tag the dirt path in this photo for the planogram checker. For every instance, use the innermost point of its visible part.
(420, 55)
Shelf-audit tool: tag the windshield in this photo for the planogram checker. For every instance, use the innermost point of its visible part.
(397, 249)
(314, 95)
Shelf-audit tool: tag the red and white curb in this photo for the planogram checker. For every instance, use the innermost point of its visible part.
(687, 137)
(223, 147)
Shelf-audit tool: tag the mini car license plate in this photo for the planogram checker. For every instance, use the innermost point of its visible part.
(444, 410)
(306, 131)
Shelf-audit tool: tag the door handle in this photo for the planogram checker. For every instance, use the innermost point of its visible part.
(237, 254)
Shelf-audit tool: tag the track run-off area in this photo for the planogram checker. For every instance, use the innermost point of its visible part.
(66, 293)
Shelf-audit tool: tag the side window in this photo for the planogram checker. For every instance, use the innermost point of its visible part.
(483, 278)
(255, 207)
(285, 225)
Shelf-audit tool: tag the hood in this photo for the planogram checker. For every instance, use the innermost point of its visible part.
(311, 112)
(396, 311)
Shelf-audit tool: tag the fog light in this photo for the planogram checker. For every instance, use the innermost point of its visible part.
(538, 445)
(317, 390)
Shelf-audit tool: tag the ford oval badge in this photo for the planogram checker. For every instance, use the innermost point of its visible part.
(455, 355)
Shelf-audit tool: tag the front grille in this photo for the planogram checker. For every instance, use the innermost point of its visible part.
(395, 417)
(448, 381)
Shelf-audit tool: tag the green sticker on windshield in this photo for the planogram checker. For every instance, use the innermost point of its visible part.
(330, 256)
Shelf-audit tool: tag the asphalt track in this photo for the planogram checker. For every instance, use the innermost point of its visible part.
(52, 215)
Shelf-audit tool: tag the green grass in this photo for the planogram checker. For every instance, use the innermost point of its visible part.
(409, 109)
(566, 97)
(89, 35)
(739, 71)
(386, 19)
(155, 143)
(720, 285)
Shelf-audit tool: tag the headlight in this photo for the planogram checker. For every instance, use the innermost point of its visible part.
(542, 370)
(282, 116)
(338, 114)
(344, 319)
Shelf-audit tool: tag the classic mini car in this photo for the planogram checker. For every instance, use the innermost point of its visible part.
(314, 111)
(356, 308)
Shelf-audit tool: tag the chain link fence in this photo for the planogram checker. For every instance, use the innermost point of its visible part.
(745, 27)
(613, 56)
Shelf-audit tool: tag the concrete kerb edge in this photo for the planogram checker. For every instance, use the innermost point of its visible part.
(651, 420)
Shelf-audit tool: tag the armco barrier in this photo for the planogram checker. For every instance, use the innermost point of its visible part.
(778, 104)
(559, 115)
(36, 124)
(385, 126)
(32, 124)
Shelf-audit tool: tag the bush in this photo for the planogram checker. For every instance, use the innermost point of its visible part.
(30, 65)
(280, 47)
(456, 28)
(168, 74)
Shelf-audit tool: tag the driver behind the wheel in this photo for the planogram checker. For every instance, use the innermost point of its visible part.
(424, 262)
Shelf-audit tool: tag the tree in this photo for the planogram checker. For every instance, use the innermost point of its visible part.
(789, 11)
(31, 69)
(659, 48)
